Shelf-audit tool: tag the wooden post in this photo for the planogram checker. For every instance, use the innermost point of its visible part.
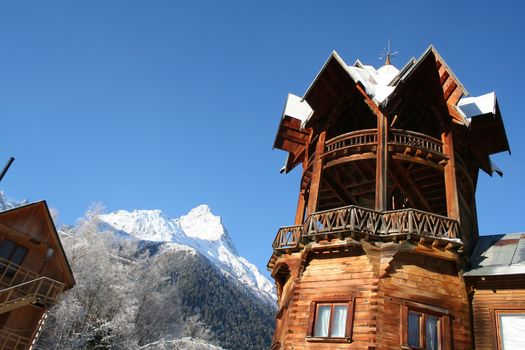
(316, 174)
(299, 215)
(450, 176)
(382, 163)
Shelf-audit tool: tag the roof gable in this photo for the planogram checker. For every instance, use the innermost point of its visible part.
(34, 222)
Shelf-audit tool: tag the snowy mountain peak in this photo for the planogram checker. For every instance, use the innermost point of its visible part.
(149, 225)
(6, 203)
(201, 223)
(199, 230)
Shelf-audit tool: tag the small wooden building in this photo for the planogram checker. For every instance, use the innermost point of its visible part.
(386, 217)
(34, 271)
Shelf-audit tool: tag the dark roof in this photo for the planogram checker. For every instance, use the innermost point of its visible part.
(498, 255)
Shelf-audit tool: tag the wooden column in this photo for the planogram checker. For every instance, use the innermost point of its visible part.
(450, 176)
(316, 174)
(382, 163)
(299, 215)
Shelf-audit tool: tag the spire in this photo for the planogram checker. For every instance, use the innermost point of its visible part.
(387, 54)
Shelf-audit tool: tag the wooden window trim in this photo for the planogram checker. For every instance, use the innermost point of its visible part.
(444, 329)
(314, 306)
(497, 315)
(493, 308)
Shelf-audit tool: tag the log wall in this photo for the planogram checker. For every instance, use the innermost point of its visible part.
(380, 282)
(327, 276)
(411, 277)
(504, 293)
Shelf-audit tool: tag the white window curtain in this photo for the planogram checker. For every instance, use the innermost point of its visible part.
(322, 321)
(339, 321)
(512, 331)
(431, 329)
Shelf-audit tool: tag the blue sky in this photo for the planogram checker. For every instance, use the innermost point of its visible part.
(168, 105)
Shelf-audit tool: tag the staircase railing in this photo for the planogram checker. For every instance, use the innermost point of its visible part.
(12, 274)
(12, 341)
(42, 290)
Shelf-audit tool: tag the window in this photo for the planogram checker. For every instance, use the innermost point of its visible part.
(13, 253)
(511, 327)
(331, 320)
(10, 251)
(424, 327)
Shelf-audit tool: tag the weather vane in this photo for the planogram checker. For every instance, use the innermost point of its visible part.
(387, 54)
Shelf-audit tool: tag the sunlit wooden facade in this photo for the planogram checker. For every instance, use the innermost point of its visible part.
(34, 271)
(386, 215)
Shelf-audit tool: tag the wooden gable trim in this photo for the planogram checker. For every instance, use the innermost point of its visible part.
(53, 234)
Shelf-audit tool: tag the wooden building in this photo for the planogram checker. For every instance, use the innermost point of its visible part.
(34, 271)
(386, 216)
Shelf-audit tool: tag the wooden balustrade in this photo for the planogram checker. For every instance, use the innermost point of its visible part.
(415, 139)
(365, 140)
(367, 221)
(287, 237)
(13, 341)
(396, 222)
(348, 141)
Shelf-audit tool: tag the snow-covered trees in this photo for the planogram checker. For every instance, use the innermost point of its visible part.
(124, 299)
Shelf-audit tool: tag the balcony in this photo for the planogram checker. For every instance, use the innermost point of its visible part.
(20, 286)
(378, 225)
(403, 144)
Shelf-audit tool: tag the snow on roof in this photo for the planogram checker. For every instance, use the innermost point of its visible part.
(473, 106)
(375, 81)
(297, 108)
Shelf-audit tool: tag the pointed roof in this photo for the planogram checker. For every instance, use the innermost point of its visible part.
(34, 222)
(428, 79)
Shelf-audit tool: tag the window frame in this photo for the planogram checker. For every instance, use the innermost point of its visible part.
(425, 310)
(497, 316)
(314, 307)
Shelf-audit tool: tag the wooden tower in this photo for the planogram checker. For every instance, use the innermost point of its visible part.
(386, 214)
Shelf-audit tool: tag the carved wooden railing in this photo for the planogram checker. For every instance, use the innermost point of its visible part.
(358, 141)
(351, 140)
(13, 341)
(415, 139)
(363, 220)
(396, 222)
(42, 290)
(287, 237)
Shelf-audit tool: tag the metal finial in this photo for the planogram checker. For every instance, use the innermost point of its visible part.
(387, 54)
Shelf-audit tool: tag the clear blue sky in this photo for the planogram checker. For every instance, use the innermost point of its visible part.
(171, 104)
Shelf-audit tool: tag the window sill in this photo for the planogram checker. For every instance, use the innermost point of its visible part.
(328, 340)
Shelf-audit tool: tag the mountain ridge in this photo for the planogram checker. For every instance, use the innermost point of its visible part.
(200, 230)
